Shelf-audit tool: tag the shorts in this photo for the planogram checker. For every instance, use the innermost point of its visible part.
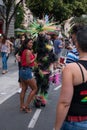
(25, 73)
(74, 125)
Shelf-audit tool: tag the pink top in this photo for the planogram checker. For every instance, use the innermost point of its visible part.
(23, 59)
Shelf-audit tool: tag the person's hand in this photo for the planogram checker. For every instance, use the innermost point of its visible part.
(35, 64)
(6, 54)
(35, 55)
(18, 58)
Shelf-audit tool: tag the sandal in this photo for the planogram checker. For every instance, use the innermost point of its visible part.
(3, 72)
(22, 108)
(27, 110)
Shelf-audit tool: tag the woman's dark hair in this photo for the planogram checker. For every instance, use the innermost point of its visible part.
(82, 38)
(24, 45)
(4, 39)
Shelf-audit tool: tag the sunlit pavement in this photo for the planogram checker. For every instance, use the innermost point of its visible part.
(9, 81)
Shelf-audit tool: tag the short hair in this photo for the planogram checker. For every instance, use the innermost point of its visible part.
(82, 38)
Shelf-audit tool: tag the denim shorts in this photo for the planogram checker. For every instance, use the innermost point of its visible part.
(74, 125)
(25, 73)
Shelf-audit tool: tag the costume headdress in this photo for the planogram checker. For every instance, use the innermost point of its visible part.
(38, 26)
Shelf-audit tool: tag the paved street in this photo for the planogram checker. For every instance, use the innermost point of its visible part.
(10, 116)
(8, 82)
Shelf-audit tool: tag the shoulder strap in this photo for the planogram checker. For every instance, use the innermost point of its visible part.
(81, 71)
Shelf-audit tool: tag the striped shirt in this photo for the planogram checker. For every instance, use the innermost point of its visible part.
(72, 56)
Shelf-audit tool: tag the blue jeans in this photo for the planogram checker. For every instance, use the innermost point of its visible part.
(25, 73)
(4, 60)
(74, 125)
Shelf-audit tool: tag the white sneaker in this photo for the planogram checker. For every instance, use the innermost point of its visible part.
(20, 89)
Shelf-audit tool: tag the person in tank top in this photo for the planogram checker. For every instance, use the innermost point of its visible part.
(71, 112)
(27, 62)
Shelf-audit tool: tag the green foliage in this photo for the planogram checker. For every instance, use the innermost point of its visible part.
(59, 9)
(79, 8)
(19, 17)
(40, 7)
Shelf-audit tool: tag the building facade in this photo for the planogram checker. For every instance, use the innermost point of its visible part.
(2, 22)
(1, 19)
(28, 17)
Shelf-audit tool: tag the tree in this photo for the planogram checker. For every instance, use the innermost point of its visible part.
(60, 9)
(79, 7)
(10, 8)
(40, 7)
(19, 16)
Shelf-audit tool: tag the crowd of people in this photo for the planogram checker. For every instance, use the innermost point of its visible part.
(70, 55)
(58, 45)
(7, 45)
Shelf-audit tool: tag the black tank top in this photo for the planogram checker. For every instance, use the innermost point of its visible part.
(78, 105)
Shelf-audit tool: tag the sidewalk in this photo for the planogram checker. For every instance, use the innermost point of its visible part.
(9, 81)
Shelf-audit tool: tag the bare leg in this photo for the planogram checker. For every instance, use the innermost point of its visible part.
(22, 94)
(20, 87)
(33, 86)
